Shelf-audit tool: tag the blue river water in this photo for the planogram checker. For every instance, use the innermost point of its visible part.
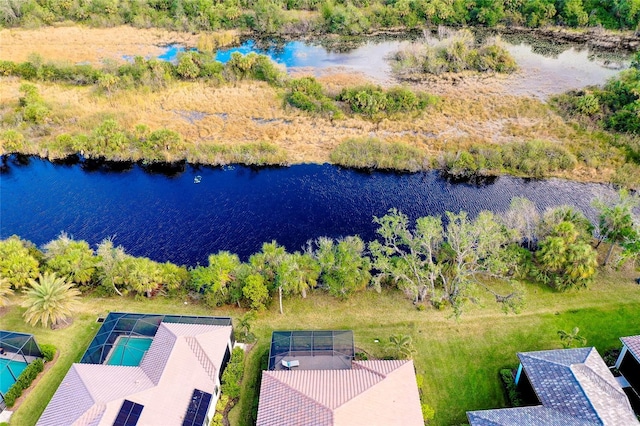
(171, 218)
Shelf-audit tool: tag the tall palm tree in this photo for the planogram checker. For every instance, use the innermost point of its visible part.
(5, 291)
(50, 300)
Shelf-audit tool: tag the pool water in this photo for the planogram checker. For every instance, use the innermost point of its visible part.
(129, 351)
(6, 379)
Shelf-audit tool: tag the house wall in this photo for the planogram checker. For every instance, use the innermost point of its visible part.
(527, 393)
(630, 369)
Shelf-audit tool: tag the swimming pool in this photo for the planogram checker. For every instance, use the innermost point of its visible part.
(129, 351)
(6, 368)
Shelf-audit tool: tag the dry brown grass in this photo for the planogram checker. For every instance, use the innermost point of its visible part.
(82, 44)
(253, 111)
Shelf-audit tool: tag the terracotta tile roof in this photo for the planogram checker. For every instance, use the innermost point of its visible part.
(92, 394)
(570, 383)
(372, 391)
(633, 345)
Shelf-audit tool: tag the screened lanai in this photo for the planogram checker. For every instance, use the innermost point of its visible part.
(131, 335)
(311, 350)
(17, 350)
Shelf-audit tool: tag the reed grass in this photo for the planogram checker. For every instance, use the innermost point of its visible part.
(244, 112)
(371, 153)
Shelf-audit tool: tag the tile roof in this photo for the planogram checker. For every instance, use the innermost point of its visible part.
(574, 386)
(372, 392)
(633, 345)
(91, 394)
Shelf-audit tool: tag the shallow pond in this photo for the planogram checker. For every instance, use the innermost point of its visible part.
(546, 68)
(169, 217)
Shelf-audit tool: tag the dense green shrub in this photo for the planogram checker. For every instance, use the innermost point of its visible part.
(615, 106)
(232, 376)
(511, 390)
(371, 153)
(25, 379)
(372, 101)
(48, 352)
(307, 94)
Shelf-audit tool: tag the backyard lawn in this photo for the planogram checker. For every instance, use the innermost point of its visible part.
(459, 359)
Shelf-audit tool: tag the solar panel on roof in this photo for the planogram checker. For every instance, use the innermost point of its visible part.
(197, 409)
(129, 414)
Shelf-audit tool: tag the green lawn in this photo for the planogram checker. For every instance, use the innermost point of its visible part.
(459, 359)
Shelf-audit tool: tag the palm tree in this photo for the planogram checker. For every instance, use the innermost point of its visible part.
(244, 325)
(568, 339)
(5, 291)
(402, 346)
(50, 300)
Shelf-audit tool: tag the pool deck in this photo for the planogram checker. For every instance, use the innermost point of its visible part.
(17, 357)
(318, 362)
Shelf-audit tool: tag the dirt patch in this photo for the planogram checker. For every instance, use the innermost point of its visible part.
(63, 324)
(81, 44)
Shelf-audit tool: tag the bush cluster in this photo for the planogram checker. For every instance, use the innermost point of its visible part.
(48, 352)
(511, 390)
(371, 153)
(532, 158)
(152, 73)
(307, 94)
(373, 101)
(232, 376)
(615, 106)
(456, 53)
(25, 379)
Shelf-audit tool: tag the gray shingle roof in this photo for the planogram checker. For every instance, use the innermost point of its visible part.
(574, 386)
(633, 345)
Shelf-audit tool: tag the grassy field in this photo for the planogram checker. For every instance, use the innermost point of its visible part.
(459, 359)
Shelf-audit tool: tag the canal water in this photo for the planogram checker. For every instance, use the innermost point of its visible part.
(169, 217)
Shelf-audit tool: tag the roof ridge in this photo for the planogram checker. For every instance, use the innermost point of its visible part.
(93, 398)
(364, 366)
(528, 355)
(604, 386)
(297, 391)
(164, 325)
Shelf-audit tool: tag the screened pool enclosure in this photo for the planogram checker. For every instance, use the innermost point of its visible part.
(311, 350)
(124, 338)
(17, 350)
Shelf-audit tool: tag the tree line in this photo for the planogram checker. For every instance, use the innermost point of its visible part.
(332, 16)
(436, 261)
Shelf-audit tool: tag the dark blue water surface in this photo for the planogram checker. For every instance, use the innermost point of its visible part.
(237, 209)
